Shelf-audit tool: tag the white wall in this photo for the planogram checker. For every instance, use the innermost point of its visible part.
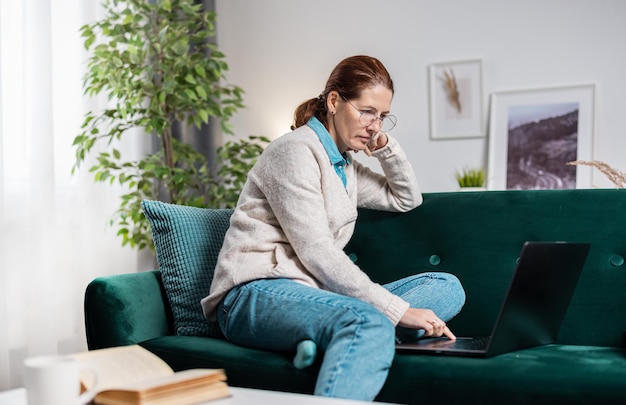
(281, 52)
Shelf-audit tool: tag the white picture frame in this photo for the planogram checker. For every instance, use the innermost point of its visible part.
(456, 100)
(534, 133)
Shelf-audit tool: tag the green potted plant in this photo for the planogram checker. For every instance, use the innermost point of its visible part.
(470, 179)
(155, 62)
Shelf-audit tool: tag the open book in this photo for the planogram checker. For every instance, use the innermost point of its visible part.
(133, 375)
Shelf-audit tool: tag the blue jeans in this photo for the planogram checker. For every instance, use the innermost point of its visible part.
(358, 341)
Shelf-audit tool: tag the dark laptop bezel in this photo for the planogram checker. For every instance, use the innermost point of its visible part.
(518, 324)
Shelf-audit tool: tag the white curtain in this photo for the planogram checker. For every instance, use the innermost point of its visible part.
(54, 232)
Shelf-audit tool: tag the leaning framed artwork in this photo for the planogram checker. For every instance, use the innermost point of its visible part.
(533, 134)
(456, 100)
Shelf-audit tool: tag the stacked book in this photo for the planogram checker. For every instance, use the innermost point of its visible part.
(129, 375)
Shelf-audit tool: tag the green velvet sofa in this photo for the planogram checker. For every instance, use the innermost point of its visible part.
(475, 235)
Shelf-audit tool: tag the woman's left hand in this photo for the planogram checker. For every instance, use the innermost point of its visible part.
(378, 141)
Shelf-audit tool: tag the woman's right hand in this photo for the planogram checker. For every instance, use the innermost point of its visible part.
(415, 318)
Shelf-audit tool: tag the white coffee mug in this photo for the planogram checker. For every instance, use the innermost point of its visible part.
(54, 380)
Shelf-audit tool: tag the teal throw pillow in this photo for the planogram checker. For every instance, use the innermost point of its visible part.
(187, 241)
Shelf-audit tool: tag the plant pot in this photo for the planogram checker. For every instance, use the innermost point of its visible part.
(472, 189)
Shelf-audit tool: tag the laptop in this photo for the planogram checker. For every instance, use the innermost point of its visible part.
(533, 309)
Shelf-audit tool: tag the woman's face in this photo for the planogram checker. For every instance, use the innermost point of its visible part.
(344, 125)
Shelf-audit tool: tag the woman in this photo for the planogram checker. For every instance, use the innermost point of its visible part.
(283, 281)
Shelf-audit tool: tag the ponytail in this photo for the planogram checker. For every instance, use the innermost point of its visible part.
(315, 107)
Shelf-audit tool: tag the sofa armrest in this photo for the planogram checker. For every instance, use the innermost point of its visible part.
(126, 309)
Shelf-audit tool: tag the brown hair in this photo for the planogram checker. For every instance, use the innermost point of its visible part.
(351, 76)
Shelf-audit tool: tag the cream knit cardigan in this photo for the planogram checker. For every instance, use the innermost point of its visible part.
(294, 217)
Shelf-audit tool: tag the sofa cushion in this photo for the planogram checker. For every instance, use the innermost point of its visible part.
(477, 237)
(245, 367)
(539, 375)
(187, 241)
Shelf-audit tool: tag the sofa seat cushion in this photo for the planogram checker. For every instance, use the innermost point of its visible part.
(244, 367)
(546, 374)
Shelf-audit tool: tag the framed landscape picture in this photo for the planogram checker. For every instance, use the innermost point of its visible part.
(533, 134)
(456, 100)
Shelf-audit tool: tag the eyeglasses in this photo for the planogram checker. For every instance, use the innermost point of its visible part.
(387, 122)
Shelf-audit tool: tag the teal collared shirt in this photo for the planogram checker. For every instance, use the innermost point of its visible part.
(338, 160)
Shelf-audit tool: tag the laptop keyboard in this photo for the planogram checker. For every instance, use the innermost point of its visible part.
(479, 343)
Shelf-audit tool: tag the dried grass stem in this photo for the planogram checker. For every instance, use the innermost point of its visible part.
(616, 176)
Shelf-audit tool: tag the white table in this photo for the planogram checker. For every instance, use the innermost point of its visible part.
(240, 396)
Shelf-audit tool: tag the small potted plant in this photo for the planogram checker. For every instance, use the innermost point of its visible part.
(470, 179)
